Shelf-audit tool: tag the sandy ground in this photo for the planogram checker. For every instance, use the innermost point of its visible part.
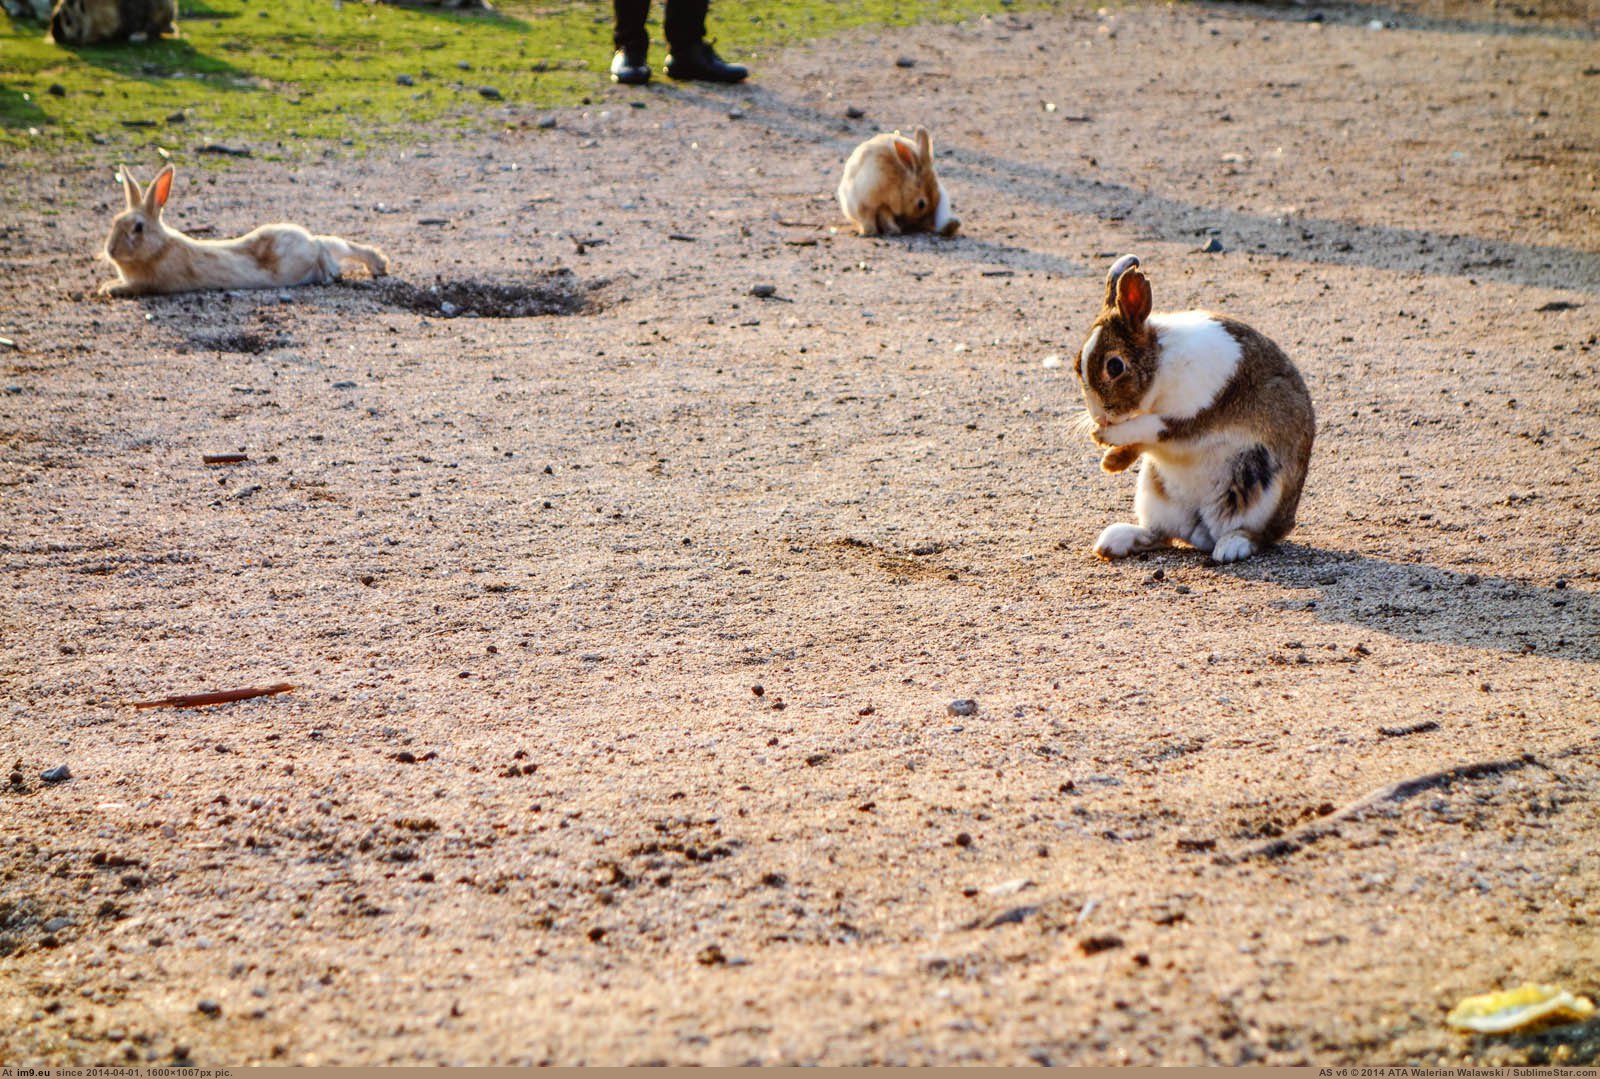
(624, 640)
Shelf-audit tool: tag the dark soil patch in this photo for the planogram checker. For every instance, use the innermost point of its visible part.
(558, 292)
(247, 341)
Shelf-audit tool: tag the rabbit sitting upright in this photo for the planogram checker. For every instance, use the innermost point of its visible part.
(1220, 415)
(152, 258)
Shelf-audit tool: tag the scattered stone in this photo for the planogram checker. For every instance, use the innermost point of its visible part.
(179, 117)
(209, 1007)
(463, 65)
(597, 934)
(489, 93)
(758, 691)
(963, 707)
(854, 113)
(344, 385)
(1213, 247)
(56, 925)
(736, 114)
(1010, 887)
(405, 80)
(1014, 916)
(963, 839)
(546, 122)
(1100, 942)
(57, 90)
(711, 956)
(1557, 305)
(1196, 846)
(905, 61)
(59, 774)
(448, 309)
(223, 149)
(762, 292)
(1414, 728)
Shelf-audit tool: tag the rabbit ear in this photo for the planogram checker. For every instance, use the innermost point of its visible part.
(1133, 298)
(924, 145)
(130, 187)
(908, 156)
(1118, 268)
(160, 188)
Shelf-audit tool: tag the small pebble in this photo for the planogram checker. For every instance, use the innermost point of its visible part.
(405, 80)
(763, 291)
(58, 774)
(463, 65)
(547, 122)
(55, 925)
(711, 956)
(854, 113)
(1213, 247)
(963, 839)
(209, 1007)
(448, 309)
(57, 90)
(489, 93)
(964, 707)
(758, 691)
(905, 61)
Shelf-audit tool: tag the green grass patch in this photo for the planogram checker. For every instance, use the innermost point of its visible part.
(279, 76)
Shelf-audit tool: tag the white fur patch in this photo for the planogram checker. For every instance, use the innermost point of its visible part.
(1121, 539)
(1233, 548)
(1086, 352)
(1133, 432)
(1198, 357)
(941, 213)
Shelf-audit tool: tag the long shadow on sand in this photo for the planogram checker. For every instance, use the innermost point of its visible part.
(1430, 605)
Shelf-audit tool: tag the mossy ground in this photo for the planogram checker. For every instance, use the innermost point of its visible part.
(289, 73)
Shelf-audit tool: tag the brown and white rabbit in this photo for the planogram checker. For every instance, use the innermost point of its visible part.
(152, 258)
(1220, 415)
(889, 187)
(89, 22)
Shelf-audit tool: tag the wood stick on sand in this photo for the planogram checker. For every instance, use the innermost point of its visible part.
(221, 696)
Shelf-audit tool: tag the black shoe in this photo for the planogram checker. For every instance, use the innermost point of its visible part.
(700, 61)
(628, 66)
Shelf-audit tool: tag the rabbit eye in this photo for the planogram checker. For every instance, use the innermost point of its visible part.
(138, 227)
(1115, 367)
(922, 204)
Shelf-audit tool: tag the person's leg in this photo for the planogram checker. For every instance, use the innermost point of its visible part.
(684, 24)
(691, 56)
(629, 32)
(631, 41)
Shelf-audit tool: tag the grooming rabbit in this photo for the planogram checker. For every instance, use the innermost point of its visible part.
(1220, 415)
(152, 258)
(889, 187)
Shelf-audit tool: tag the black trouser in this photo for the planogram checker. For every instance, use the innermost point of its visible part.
(684, 23)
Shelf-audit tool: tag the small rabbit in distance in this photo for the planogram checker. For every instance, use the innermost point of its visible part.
(1220, 415)
(889, 187)
(153, 258)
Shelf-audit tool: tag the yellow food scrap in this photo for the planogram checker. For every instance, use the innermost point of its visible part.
(1512, 1009)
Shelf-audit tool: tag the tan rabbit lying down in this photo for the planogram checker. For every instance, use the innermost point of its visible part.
(152, 258)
